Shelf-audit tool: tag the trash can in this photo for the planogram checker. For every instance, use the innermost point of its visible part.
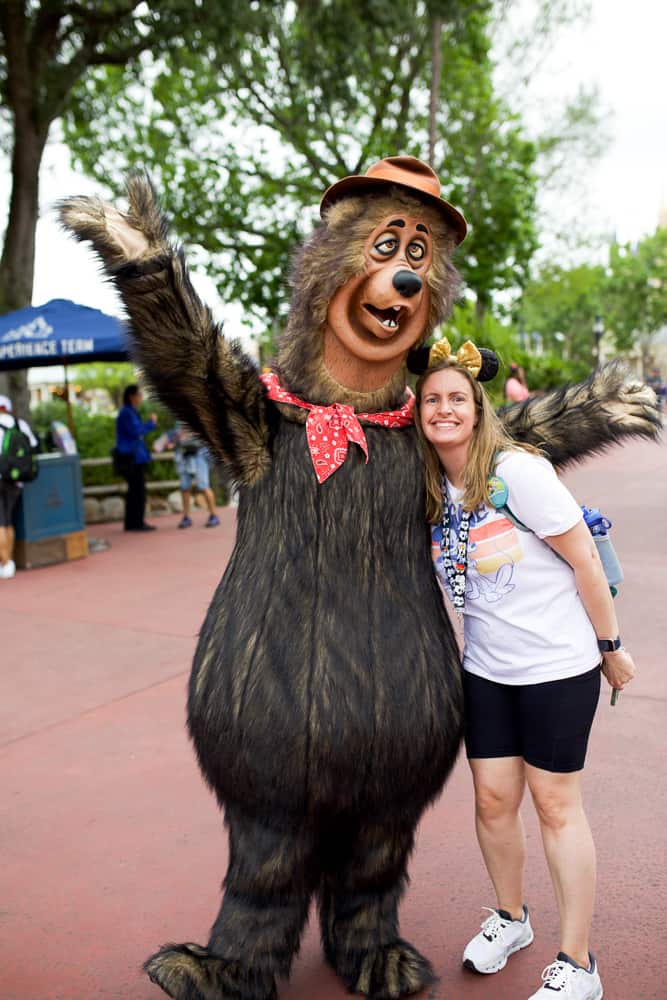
(49, 519)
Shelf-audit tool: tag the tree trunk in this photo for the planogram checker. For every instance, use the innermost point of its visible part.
(480, 310)
(17, 265)
(436, 73)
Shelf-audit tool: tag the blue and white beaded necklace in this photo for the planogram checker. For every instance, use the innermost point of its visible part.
(455, 568)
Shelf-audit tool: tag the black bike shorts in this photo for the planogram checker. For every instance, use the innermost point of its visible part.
(547, 724)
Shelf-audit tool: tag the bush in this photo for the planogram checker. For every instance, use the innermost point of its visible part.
(96, 435)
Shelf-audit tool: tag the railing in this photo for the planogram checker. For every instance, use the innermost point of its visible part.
(121, 487)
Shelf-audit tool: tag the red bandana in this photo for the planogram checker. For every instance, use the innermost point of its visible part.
(330, 428)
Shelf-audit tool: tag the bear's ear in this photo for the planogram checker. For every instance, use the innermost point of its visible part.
(490, 365)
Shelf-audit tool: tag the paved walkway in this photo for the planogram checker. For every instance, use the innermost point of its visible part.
(110, 844)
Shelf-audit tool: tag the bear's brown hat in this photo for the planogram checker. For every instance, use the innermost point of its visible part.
(406, 172)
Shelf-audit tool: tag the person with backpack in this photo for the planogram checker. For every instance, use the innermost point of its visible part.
(539, 627)
(191, 458)
(17, 465)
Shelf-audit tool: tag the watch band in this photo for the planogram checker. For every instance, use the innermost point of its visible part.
(609, 645)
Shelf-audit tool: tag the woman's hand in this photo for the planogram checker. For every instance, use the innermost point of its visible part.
(618, 668)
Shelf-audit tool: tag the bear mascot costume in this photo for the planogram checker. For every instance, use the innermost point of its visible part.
(325, 699)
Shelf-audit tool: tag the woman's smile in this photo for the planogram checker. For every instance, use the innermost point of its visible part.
(448, 410)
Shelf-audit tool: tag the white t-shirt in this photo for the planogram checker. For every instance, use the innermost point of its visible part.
(524, 622)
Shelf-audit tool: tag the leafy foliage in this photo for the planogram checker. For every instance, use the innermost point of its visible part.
(637, 291)
(560, 304)
(46, 48)
(96, 435)
(246, 136)
(630, 294)
(112, 376)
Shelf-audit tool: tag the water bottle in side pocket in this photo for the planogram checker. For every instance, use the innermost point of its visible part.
(599, 526)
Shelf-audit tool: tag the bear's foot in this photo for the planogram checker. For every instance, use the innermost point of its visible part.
(385, 973)
(190, 972)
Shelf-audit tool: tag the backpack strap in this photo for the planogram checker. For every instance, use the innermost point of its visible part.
(498, 495)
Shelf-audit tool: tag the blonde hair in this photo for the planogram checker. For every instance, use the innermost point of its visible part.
(489, 437)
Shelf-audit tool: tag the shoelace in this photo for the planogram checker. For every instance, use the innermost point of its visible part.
(557, 976)
(493, 927)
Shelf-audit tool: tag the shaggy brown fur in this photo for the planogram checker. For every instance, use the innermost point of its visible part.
(578, 420)
(205, 379)
(325, 698)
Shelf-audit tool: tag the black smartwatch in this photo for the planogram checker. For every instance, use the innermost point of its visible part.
(609, 645)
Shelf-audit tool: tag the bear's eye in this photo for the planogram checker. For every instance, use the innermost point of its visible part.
(386, 245)
(416, 250)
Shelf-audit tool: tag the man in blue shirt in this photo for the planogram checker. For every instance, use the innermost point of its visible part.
(134, 456)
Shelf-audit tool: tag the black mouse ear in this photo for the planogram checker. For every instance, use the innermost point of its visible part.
(417, 360)
(490, 365)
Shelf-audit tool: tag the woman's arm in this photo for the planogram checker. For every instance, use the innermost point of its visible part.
(577, 547)
(208, 382)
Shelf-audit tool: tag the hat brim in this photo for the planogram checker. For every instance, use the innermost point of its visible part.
(361, 185)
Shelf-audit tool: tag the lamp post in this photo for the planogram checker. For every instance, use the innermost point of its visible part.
(598, 331)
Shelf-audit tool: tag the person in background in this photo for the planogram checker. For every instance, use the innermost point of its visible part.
(657, 383)
(9, 493)
(192, 464)
(516, 389)
(130, 444)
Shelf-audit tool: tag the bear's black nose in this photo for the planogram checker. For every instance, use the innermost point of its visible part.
(407, 283)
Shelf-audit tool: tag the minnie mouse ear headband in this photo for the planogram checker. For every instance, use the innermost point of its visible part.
(482, 364)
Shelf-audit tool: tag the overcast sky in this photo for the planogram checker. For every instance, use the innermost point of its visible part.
(623, 51)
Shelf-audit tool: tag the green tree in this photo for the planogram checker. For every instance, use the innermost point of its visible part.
(112, 376)
(245, 146)
(47, 47)
(637, 293)
(560, 304)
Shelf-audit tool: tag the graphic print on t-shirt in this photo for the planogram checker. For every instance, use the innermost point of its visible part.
(494, 549)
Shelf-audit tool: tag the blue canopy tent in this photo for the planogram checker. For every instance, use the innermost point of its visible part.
(60, 333)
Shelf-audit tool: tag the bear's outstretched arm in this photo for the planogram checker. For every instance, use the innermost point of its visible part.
(207, 381)
(579, 420)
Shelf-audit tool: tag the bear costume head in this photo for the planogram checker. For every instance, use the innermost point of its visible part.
(372, 282)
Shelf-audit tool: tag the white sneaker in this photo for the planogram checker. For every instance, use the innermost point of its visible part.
(8, 570)
(568, 980)
(499, 938)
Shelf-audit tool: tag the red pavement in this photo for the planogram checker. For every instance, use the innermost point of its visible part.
(110, 844)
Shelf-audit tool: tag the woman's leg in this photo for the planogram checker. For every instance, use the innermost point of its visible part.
(570, 853)
(499, 787)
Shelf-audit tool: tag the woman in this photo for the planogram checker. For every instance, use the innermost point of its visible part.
(516, 389)
(538, 615)
(133, 457)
